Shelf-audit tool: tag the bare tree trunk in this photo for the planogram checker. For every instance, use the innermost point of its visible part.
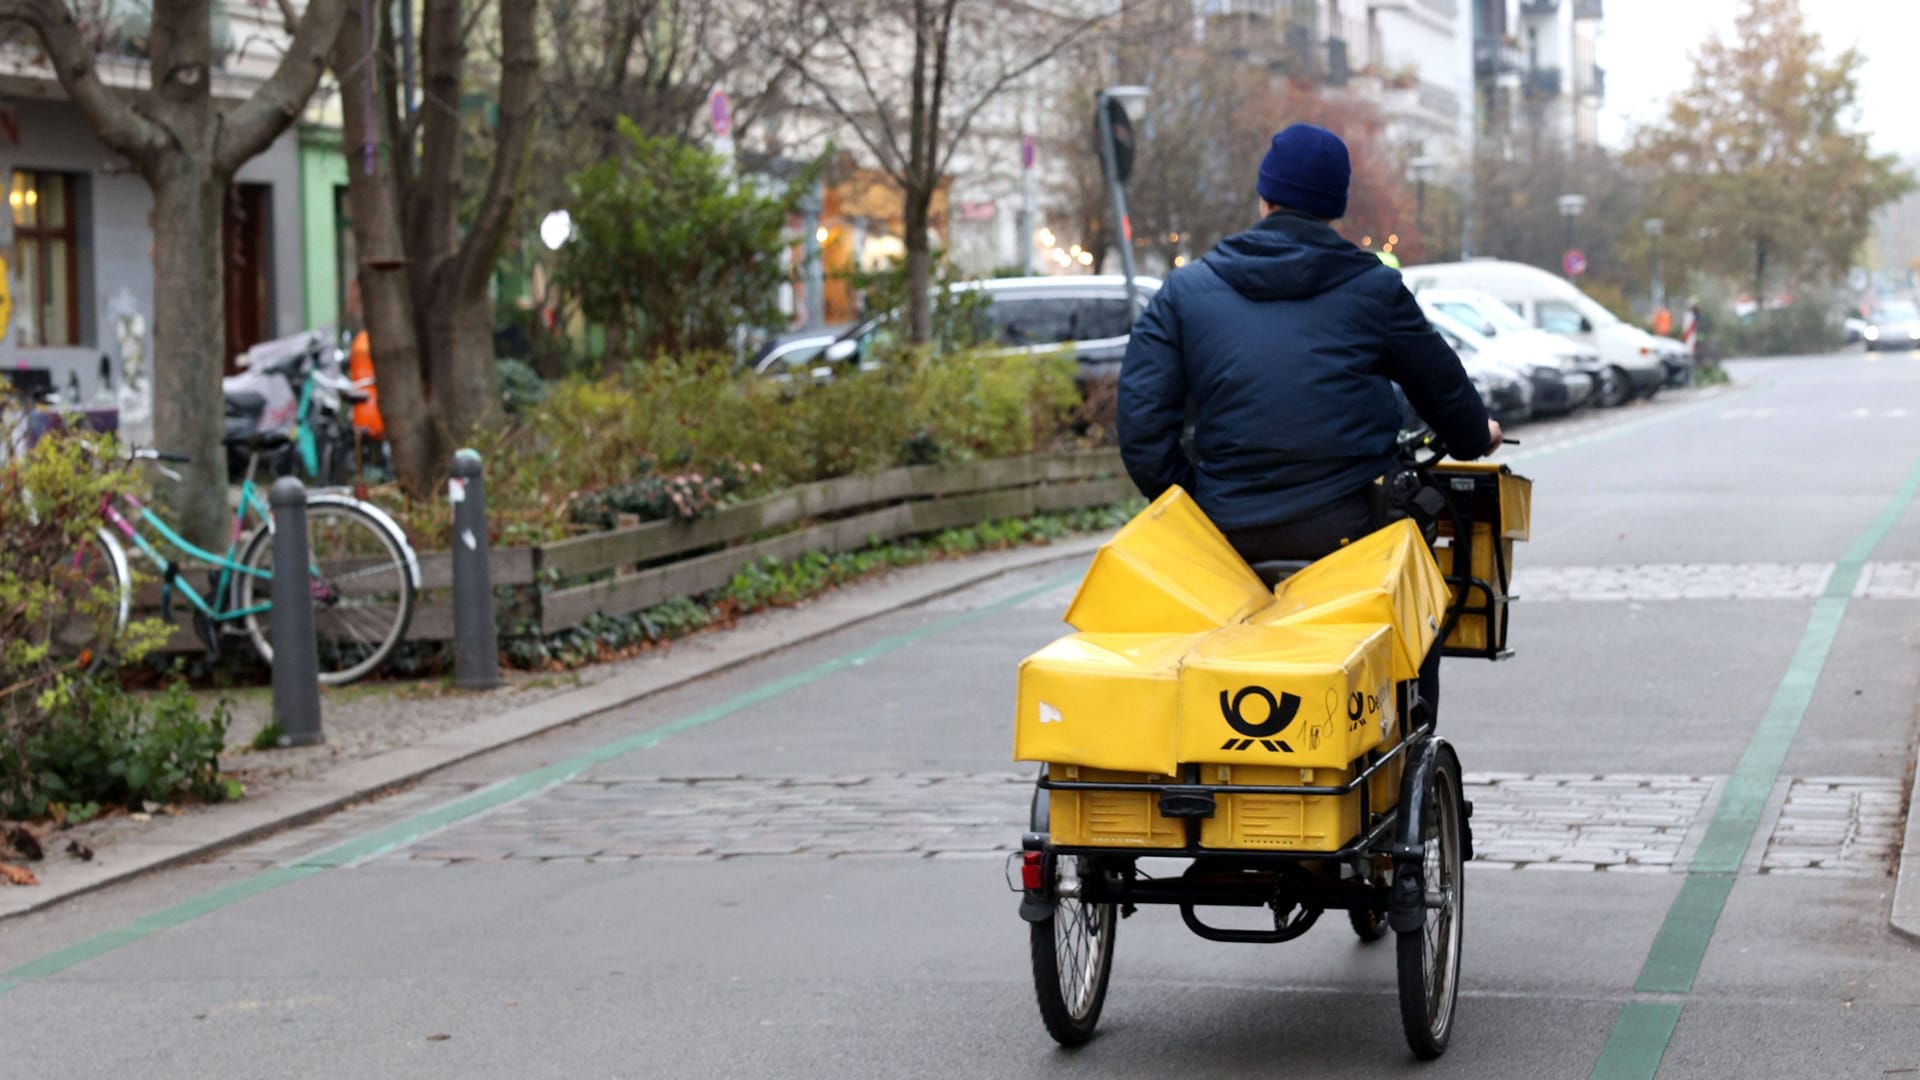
(917, 211)
(385, 285)
(189, 332)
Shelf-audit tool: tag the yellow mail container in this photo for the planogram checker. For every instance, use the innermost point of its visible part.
(1290, 822)
(1386, 578)
(1104, 700)
(1128, 819)
(1296, 695)
(1501, 512)
(1166, 571)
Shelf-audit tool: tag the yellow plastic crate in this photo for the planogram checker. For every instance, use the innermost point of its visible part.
(1169, 570)
(1290, 822)
(1120, 819)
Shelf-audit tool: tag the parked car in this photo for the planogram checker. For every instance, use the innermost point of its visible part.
(1894, 324)
(792, 353)
(1552, 391)
(1630, 355)
(1038, 316)
(1479, 314)
(1507, 394)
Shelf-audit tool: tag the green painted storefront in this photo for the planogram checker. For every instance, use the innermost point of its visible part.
(325, 242)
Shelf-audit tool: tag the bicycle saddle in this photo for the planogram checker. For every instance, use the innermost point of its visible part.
(260, 442)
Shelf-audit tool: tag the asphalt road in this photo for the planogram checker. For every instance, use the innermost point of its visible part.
(796, 869)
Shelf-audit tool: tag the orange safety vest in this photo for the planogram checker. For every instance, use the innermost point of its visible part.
(1663, 322)
(366, 415)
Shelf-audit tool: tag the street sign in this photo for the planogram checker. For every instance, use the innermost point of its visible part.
(1574, 262)
(1857, 279)
(720, 113)
(1112, 118)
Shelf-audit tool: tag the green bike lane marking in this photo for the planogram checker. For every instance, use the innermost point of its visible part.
(409, 829)
(1640, 1036)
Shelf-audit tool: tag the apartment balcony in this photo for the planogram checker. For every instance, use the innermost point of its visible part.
(1594, 85)
(1543, 83)
(1492, 58)
(1539, 9)
(1587, 9)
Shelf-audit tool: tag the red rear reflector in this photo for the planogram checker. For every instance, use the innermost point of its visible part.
(1030, 870)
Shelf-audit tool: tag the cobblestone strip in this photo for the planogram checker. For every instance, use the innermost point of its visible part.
(1579, 822)
(1583, 822)
(1836, 824)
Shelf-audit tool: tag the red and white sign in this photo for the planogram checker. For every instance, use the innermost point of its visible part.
(1574, 262)
(720, 113)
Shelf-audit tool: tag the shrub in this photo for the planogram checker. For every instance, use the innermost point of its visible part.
(1807, 325)
(100, 746)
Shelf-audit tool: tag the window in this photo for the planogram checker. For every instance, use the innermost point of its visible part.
(1103, 318)
(1559, 317)
(1030, 321)
(1469, 315)
(47, 244)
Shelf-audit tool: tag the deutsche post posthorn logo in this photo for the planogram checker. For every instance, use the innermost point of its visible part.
(1278, 715)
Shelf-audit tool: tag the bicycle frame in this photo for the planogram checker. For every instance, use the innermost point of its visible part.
(228, 564)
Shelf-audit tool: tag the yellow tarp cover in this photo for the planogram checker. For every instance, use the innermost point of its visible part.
(1106, 700)
(1306, 696)
(1388, 578)
(1168, 571)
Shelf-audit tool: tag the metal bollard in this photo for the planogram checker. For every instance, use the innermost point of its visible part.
(476, 641)
(296, 658)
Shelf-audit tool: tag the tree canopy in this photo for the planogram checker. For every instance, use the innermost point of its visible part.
(1758, 167)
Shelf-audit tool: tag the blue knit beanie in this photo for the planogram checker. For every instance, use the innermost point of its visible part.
(1307, 169)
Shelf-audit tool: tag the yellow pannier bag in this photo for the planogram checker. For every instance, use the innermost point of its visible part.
(1287, 695)
(1502, 512)
(1386, 578)
(1167, 571)
(1109, 701)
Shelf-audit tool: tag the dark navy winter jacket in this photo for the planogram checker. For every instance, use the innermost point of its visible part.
(1288, 339)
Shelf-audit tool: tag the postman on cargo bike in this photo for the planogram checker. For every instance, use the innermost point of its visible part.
(1249, 702)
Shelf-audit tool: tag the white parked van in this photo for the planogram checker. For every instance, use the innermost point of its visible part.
(1630, 355)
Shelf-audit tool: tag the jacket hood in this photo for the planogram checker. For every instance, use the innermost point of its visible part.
(1288, 257)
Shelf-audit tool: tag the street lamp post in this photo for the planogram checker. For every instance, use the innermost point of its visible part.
(1654, 227)
(1571, 206)
(1114, 129)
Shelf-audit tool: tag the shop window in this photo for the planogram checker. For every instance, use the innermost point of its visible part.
(46, 237)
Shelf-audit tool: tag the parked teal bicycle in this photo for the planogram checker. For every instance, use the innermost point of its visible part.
(363, 577)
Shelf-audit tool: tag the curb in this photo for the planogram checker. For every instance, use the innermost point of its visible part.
(372, 777)
(1906, 887)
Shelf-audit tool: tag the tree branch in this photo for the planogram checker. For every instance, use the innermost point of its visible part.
(1010, 74)
(111, 116)
(256, 122)
(519, 89)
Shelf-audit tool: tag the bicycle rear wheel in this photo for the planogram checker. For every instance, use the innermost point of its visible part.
(95, 588)
(361, 584)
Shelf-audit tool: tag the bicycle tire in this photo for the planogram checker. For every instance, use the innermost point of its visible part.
(385, 571)
(101, 566)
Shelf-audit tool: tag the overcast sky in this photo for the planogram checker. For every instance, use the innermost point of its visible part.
(1646, 47)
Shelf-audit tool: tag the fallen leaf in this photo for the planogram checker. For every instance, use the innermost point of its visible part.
(141, 817)
(24, 842)
(17, 875)
(79, 851)
(438, 1038)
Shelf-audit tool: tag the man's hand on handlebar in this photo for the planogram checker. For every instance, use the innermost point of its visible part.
(1494, 435)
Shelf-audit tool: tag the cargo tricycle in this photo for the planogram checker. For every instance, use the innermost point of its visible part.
(1262, 730)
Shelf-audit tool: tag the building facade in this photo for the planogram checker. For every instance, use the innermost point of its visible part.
(76, 295)
(1537, 84)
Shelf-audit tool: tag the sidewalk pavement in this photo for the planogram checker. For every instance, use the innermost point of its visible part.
(375, 746)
